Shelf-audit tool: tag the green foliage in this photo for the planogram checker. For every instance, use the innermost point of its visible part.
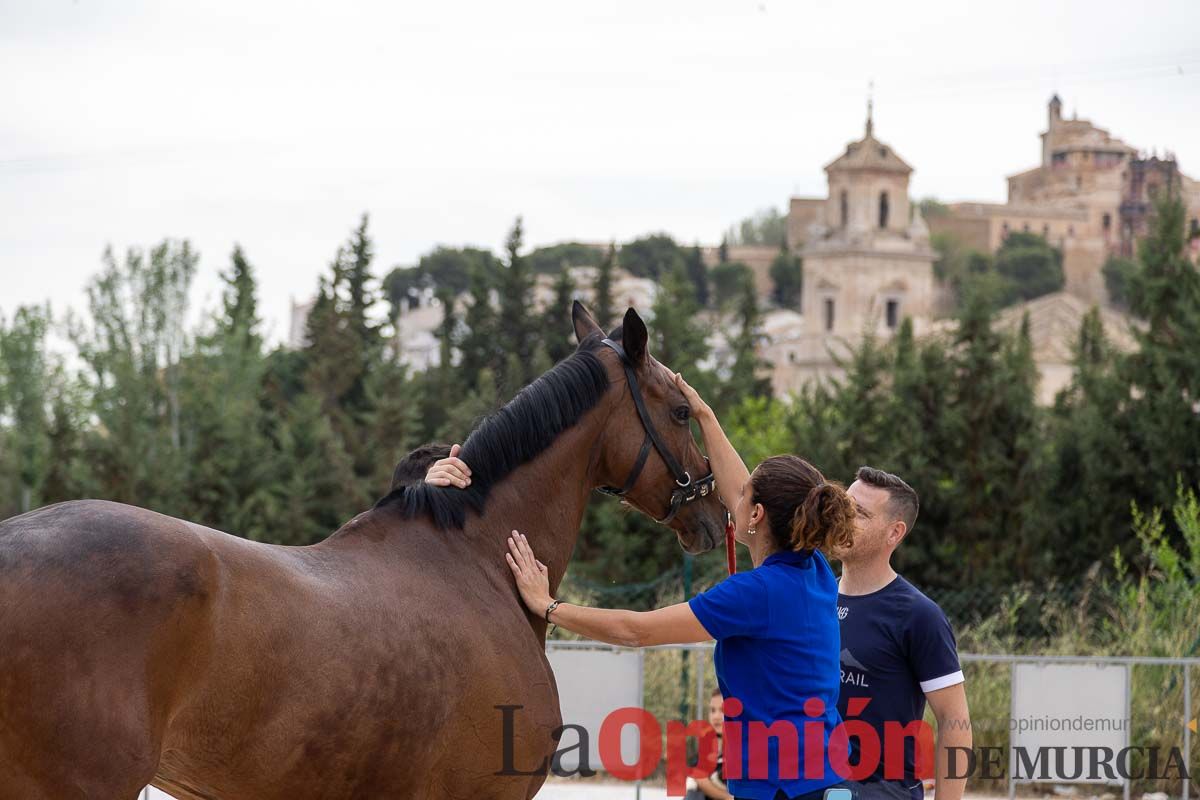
(787, 275)
(697, 272)
(555, 329)
(932, 207)
(651, 256)
(748, 374)
(728, 279)
(1119, 275)
(443, 269)
(603, 306)
(676, 336)
(558, 257)
(1023, 268)
(1031, 267)
(766, 227)
(286, 445)
(24, 378)
(479, 344)
(132, 348)
(516, 324)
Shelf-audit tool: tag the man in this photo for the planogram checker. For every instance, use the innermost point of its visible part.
(898, 651)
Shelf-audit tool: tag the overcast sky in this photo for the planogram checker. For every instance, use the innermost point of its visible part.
(276, 124)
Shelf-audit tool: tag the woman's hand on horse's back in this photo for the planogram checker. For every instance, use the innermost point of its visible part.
(451, 471)
(533, 580)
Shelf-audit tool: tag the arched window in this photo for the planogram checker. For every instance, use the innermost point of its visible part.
(883, 209)
(845, 208)
(1106, 222)
(828, 313)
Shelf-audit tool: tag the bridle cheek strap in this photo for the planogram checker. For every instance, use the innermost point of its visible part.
(686, 489)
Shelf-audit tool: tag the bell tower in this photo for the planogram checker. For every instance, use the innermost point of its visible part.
(869, 264)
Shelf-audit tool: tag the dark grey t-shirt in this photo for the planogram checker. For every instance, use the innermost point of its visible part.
(896, 646)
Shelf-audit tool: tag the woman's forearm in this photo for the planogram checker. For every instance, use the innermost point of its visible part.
(609, 625)
(674, 624)
(727, 465)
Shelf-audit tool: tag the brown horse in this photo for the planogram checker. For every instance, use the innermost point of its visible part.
(138, 649)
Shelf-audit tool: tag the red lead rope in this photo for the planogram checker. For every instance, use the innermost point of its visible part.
(730, 547)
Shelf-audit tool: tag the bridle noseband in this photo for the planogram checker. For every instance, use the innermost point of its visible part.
(686, 490)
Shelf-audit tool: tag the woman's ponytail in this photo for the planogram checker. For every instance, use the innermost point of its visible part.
(825, 520)
(805, 511)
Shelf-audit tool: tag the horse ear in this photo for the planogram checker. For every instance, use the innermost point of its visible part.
(633, 335)
(585, 323)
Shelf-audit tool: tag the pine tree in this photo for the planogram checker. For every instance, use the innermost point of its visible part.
(1090, 475)
(516, 331)
(479, 343)
(23, 392)
(677, 339)
(360, 293)
(393, 424)
(314, 488)
(787, 275)
(603, 304)
(239, 319)
(995, 413)
(556, 332)
(1163, 376)
(747, 376)
(697, 273)
(225, 429)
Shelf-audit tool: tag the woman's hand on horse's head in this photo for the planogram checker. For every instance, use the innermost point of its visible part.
(694, 400)
(533, 579)
(451, 471)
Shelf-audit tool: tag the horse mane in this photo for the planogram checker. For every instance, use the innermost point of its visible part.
(512, 436)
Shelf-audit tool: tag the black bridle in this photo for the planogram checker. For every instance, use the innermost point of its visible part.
(686, 489)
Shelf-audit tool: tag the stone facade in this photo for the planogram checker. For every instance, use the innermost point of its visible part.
(1054, 323)
(1089, 197)
(867, 263)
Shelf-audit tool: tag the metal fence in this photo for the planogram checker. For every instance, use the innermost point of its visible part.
(678, 679)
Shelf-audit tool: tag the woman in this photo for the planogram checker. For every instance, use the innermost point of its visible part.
(777, 653)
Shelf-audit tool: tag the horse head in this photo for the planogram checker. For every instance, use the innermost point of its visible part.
(647, 453)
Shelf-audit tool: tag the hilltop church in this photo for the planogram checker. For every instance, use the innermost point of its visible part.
(868, 260)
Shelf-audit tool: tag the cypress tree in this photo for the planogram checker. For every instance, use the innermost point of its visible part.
(697, 273)
(603, 289)
(516, 332)
(557, 334)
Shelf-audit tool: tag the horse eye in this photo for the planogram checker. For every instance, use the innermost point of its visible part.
(682, 413)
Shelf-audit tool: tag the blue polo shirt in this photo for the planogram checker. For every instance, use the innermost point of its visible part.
(777, 647)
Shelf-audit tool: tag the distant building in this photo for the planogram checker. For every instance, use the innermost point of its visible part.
(867, 264)
(416, 323)
(1090, 197)
(627, 290)
(1054, 324)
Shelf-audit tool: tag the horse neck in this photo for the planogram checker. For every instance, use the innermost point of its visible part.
(545, 499)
